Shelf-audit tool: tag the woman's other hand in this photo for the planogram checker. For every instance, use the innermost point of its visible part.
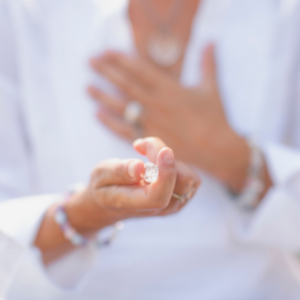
(117, 191)
(190, 120)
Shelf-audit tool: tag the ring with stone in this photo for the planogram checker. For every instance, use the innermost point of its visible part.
(133, 112)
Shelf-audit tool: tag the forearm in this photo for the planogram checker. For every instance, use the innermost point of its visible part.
(50, 238)
(229, 161)
(239, 161)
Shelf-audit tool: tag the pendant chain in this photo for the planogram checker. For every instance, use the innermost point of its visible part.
(167, 23)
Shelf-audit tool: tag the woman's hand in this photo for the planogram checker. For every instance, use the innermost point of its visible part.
(117, 192)
(190, 120)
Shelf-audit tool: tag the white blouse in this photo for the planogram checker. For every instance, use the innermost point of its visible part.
(50, 139)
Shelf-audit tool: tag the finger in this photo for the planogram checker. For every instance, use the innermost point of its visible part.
(130, 87)
(117, 172)
(117, 125)
(148, 75)
(159, 193)
(138, 198)
(209, 66)
(173, 207)
(187, 179)
(116, 105)
(149, 147)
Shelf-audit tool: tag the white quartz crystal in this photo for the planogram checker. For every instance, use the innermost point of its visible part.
(151, 173)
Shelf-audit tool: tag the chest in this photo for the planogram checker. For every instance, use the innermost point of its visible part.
(161, 31)
(64, 130)
(243, 32)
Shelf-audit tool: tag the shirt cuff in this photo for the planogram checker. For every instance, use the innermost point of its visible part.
(276, 221)
(283, 163)
(30, 281)
(10, 255)
(20, 220)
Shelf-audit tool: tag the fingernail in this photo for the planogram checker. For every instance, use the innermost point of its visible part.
(168, 156)
(131, 169)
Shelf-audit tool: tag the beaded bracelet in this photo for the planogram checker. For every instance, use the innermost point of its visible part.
(75, 238)
(254, 184)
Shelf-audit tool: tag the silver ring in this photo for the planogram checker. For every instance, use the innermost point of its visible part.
(133, 112)
(184, 198)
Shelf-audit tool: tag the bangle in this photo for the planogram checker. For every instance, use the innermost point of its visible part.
(75, 238)
(254, 184)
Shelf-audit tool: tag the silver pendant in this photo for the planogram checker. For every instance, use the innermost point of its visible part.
(164, 48)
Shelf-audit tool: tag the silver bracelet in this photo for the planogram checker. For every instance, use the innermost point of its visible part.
(254, 184)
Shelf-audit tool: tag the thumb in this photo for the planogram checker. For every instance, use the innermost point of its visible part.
(208, 65)
(160, 191)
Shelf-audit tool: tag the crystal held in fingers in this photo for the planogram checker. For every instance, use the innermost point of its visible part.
(151, 173)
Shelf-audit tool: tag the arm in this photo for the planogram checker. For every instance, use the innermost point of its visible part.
(192, 121)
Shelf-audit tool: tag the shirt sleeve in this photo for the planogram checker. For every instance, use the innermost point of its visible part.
(15, 170)
(20, 219)
(28, 276)
(276, 221)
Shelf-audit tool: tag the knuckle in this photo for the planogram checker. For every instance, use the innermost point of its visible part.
(101, 170)
(96, 176)
(120, 169)
(130, 89)
(183, 180)
(126, 85)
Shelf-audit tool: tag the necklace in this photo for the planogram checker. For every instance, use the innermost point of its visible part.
(163, 47)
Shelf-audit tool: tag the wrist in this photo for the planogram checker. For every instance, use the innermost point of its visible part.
(235, 156)
(247, 172)
(84, 214)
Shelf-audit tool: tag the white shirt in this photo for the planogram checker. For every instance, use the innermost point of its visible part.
(50, 139)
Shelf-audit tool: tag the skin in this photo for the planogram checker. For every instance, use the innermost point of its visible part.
(117, 192)
(143, 27)
(191, 121)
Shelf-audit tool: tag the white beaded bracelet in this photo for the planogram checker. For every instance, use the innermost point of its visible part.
(254, 185)
(75, 238)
